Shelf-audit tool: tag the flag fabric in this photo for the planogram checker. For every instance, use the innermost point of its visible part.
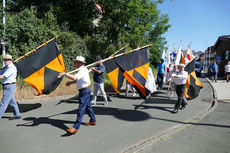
(150, 82)
(179, 57)
(168, 58)
(189, 55)
(174, 53)
(41, 68)
(134, 67)
(114, 73)
(193, 84)
(163, 55)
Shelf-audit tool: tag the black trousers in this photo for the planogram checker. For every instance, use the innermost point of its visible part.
(180, 94)
(160, 79)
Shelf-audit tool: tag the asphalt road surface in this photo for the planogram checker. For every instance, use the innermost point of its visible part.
(127, 124)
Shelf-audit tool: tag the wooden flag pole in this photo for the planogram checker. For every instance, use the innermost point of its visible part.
(119, 50)
(112, 57)
(34, 50)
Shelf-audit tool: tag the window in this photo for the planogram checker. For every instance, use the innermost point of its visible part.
(227, 54)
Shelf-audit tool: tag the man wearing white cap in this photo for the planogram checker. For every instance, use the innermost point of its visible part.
(180, 78)
(8, 76)
(83, 84)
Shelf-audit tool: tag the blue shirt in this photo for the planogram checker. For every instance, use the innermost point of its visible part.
(99, 78)
(9, 73)
(161, 68)
(214, 67)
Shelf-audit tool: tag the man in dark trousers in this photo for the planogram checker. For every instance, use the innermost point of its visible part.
(83, 84)
(180, 78)
(160, 74)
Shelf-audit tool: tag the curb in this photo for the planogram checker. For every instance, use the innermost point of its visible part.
(163, 136)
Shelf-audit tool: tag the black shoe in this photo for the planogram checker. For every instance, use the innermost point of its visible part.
(182, 107)
(175, 111)
(15, 118)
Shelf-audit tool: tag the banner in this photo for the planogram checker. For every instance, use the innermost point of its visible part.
(193, 84)
(41, 68)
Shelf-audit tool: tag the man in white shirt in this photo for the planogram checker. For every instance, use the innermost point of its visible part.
(83, 84)
(180, 78)
(8, 76)
(227, 71)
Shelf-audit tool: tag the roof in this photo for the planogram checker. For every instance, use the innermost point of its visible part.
(225, 39)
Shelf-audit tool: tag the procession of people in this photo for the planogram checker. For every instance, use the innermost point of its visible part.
(173, 77)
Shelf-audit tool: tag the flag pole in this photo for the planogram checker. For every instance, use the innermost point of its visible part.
(34, 50)
(112, 57)
(119, 50)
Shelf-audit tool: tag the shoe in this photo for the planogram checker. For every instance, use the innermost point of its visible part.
(93, 103)
(15, 118)
(182, 107)
(134, 94)
(106, 103)
(72, 130)
(175, 111)
(89, 123)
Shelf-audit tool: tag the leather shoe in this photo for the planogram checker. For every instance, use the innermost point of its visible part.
(182, 107)
(72, 130)
(175, 111)
(15, 118)
(89, 123)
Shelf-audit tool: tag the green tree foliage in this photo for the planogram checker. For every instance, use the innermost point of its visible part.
(84, 30)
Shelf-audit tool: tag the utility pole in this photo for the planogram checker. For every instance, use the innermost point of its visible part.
(3, 35)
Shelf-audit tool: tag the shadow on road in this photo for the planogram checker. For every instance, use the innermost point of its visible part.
(25, 107)
(127, 115)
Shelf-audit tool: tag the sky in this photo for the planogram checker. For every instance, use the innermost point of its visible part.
(200, 22)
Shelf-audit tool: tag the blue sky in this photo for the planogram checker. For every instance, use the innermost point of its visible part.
(200, 22)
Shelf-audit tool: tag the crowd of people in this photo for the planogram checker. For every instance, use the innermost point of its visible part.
(174, 76)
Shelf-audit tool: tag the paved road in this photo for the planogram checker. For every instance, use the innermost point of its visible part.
(122, 126)
(211, 135)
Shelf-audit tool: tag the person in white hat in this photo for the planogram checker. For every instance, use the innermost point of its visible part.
(8, 76)
(83, 84)
(180, 78)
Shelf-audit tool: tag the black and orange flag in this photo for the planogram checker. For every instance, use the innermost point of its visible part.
(134, 67)
(114, 73)
(40, 69)
(193, 84)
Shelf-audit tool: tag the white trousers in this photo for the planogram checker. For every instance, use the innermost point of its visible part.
(101, 87)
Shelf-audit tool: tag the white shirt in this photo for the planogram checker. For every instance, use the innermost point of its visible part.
(9, 73)
(227, 68)
(83, 79)
(180, 77)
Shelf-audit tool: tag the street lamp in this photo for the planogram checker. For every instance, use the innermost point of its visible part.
(3, 35)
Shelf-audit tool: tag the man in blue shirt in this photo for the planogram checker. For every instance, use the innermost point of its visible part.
(98, 78)
(8, 76)
(161, 73)
(214, 71)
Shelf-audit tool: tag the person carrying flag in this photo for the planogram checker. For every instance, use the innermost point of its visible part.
(83, 84)
(180, 78)
(98, 78)
(8, 76)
